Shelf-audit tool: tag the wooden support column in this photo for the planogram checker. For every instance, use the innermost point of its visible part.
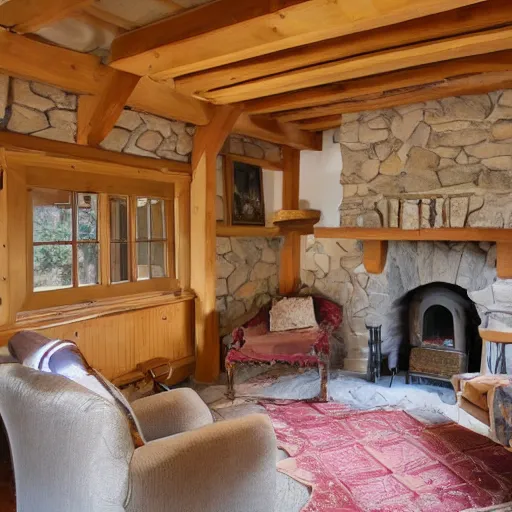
(375, 254)
(98, 114)
(504, 260)
(207, 144)
(289, 268)
(13, 244)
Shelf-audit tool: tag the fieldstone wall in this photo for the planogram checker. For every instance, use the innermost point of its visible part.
(335, 269)
(45, 111)
(247, 277)
(148, 135)
(37, 109)
(445, 163)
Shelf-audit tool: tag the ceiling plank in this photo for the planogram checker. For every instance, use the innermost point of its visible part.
(366, 65)
(458, 86)
(279, 133)
(98, 114)
(25, 16)
(288, 104)
(459, 21)
(320, 123)
(84, 74)
(227, 31)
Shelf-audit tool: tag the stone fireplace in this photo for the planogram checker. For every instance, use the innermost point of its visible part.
(440, 164)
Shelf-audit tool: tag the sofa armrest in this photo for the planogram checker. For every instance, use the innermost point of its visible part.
(229, 466)
(171, 412)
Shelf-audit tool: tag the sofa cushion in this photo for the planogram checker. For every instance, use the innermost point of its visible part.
(299, 341)
(292, 313)
(64, 358)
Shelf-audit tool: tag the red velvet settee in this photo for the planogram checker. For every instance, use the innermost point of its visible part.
(254, 343)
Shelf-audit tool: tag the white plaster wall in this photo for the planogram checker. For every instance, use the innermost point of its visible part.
(320, 186)
(272, 193)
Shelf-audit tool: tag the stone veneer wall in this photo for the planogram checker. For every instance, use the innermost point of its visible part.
(247, 277)
(445, 163)
(45, 111)
(441, 163)
(334, 267)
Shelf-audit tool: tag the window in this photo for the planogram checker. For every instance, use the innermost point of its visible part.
(75, 246)
(151, 240)
(65, 236)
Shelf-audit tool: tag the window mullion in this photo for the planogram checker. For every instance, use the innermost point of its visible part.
(132, 234)
(74, 238)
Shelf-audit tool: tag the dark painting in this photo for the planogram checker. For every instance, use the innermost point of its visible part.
(248, 205)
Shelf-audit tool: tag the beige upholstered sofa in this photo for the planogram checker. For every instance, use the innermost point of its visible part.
(74, 449)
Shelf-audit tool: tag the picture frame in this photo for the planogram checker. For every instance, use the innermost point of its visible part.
(245, 193)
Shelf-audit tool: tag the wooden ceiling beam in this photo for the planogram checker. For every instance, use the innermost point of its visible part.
(320, 123)
(458, 86)
(24, 16)
(295, 105)
(278, 133)
(84, 74)
(472, 18)
(98, 114)
(366, 65)
(228, 31)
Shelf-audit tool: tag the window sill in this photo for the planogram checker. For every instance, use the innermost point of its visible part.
(62, 315)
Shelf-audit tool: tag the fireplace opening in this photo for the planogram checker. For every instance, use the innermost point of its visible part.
(437, 333)
(438, 328)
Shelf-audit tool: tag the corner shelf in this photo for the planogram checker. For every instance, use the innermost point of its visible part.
(375, 242)
(247, 231)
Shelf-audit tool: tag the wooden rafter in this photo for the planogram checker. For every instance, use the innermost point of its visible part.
(320, 123)
(206, 37)
(458, 86)
(84, 74)
(28, 16)
(472, 18)
(367, 65)
(293, 106)
(279, 133)
(98, 114)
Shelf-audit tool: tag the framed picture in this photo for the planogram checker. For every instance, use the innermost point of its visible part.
(247, 203)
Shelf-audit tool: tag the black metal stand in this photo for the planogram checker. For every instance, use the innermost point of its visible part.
(375, 356)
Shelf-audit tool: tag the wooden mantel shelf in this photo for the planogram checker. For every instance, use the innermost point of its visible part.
(432, 234)
(375, 242)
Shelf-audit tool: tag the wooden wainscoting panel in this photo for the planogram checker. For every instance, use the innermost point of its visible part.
(115, 344)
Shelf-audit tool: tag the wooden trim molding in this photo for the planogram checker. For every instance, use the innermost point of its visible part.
(496, 336)
(433, 234)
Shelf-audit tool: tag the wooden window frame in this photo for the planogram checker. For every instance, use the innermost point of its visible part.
(48, 171)
(74, 242)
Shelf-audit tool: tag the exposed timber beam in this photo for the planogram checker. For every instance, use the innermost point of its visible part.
(289, 266)
(208, 141)
(293, 103)
(459, 86)
(367, 65)
(28, 15)
(206, 37)
(320, 123)
(84, 74)
(279, 133)
(28, 145)
(98, 114)
(472, 18)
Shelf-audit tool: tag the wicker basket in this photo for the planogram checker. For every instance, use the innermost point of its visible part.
(435, 362)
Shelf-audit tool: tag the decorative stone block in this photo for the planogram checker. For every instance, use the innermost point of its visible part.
(26, 120)
(394, 209)
(22, 95)
(4, 94)
(410, 214)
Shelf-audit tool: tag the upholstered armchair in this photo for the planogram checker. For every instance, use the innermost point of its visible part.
(254, 343)
(75, 449)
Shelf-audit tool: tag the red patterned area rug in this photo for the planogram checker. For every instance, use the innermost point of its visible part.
(387, 461)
